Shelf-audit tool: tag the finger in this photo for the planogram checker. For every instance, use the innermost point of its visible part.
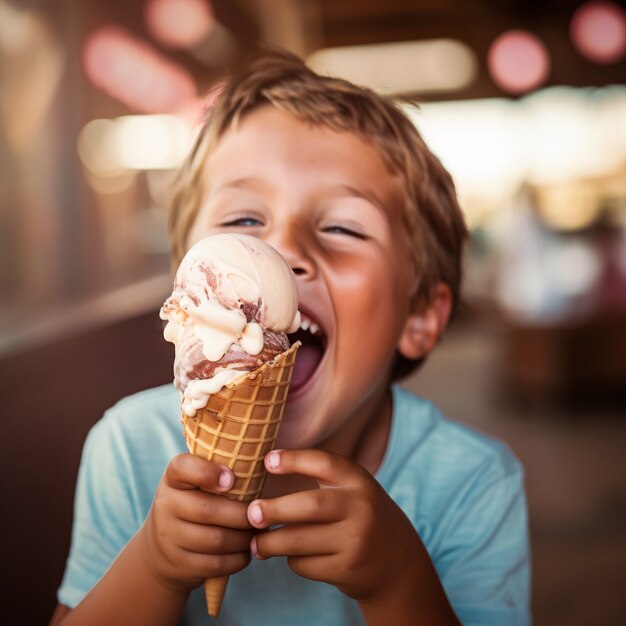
(295, 540)
(205, 508)
(328, 469)
(214, 539)
(323, 568)
(315, 506)
(212, 565)
(188, 471)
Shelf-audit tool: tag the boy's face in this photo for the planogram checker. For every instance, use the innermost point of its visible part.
(327, 202)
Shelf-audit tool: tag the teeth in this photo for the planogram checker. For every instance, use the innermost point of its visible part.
(307, 324)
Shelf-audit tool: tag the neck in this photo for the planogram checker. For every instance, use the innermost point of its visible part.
(363, 439)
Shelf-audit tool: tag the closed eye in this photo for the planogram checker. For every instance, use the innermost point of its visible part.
(342, 230)
(243, 221)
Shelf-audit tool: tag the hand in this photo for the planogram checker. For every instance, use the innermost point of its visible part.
(190, 532)
(348, 533)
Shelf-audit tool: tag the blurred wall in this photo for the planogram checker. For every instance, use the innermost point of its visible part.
(49, 398)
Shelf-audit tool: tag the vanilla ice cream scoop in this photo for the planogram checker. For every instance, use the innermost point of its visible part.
(234, 301)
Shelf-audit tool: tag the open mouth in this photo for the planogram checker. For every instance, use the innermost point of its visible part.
(310, 354)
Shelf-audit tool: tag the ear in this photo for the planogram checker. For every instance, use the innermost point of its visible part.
(424, 327)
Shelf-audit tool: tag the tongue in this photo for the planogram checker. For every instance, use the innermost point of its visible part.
(307, 360)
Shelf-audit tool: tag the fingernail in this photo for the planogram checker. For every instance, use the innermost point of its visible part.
(273, 459)
(254, 549)
(226, 479)
(255, 514)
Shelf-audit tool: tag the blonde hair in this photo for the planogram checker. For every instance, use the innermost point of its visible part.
(432, 216)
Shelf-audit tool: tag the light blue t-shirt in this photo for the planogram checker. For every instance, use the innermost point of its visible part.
(462, 491)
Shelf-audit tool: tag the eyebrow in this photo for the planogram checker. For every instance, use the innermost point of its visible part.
(370, 197)
(246, 182)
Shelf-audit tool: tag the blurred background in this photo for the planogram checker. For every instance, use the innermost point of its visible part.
(525, 103)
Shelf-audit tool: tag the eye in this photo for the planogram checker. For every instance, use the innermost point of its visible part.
(242, 221)
(342, 230)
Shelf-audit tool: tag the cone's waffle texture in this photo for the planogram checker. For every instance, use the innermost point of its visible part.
(237, 428)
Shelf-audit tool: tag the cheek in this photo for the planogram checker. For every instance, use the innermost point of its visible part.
(204, 223)
(198, 230)
(370, 286)
(371, 306)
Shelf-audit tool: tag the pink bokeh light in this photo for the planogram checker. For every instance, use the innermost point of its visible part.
(178, 23)
(598, 31)
(130, 70)
(518, 61)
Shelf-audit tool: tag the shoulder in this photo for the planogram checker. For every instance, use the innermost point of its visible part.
(123, 459)
(127, 451)
(146, 412)
(141, 430)
(435, 466)
(464, 493)
(444, 447)
(148, 405)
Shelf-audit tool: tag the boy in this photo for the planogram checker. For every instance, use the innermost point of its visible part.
(341, 184)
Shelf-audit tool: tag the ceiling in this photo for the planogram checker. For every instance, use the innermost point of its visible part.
(304, 26)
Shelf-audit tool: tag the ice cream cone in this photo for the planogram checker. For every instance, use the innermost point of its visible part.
(237, 428)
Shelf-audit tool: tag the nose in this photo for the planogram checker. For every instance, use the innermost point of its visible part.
(292, 244)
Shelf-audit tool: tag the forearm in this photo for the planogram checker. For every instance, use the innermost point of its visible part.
(129, 594)
(418, 599)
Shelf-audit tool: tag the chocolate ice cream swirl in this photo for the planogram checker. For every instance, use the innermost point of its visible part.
(193, 365)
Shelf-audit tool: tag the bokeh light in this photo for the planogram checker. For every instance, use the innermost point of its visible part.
(598, 31)
(132, 71)
(178, 23)
(518, 61)
(435, 65)
(96, 147)
(134, 142)
(550, 138)
(151, 142)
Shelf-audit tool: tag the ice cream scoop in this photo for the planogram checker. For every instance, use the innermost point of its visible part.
(233, 303)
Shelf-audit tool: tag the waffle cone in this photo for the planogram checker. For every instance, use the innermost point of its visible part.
(237, 428)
